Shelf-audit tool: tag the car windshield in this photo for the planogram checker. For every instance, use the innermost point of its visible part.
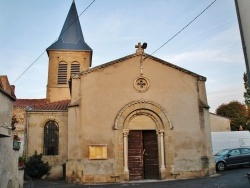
(222, 152)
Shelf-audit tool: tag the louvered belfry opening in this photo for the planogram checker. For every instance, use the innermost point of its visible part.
(62, 73)
(75, 68)
(51, 138)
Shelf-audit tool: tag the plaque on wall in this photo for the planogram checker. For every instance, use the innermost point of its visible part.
(98, 152)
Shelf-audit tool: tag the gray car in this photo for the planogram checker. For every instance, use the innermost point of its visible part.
(235, 157)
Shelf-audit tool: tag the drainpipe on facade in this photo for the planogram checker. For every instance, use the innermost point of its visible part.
(27, 131)
(244, 48)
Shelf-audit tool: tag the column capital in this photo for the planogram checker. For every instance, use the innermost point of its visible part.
(161, 131)
(125, 132)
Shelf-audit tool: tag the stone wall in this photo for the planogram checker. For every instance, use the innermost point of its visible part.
(57, 92)
(36, 122)
(20, 115)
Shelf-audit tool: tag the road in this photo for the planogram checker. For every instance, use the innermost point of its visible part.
(234, 178)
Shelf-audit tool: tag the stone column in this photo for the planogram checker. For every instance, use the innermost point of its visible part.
(163, 167)
(125, 149)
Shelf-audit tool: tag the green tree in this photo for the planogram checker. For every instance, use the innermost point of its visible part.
(236, 111)
(35, 167)
(247, 90)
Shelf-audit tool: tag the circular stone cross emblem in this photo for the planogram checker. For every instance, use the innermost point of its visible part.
(141, 84)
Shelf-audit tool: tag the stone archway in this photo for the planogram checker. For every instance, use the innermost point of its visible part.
(127, 119)
(143, 106)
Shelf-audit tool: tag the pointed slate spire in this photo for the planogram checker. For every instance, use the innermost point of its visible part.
(71, 37)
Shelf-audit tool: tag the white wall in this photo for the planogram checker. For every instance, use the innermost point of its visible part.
(233, 139)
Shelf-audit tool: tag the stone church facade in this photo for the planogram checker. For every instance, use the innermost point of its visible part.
(134, 118)
(153, 123)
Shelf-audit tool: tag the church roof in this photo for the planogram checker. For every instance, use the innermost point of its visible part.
(41, 105)
(23, 103)
(199, 77)
(53, 106)
(71, 37)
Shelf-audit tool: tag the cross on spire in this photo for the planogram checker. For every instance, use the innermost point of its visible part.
(138, 45)
(139, 48)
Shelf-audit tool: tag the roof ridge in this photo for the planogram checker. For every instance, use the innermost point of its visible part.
(29, 102)
(61, 105)
(93, 69)
(108, 64)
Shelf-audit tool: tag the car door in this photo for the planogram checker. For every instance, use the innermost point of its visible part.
(234, 157)
(245, 152)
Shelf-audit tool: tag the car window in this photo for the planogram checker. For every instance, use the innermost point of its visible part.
(222, 152)
(245, 150)
(234, 152)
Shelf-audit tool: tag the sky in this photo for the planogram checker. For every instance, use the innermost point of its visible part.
(209, 46)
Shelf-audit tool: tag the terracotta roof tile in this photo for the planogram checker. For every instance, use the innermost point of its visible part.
(23, 103)
(53, 106)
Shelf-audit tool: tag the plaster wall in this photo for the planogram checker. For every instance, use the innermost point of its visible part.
(9, 174)
(219, 123)
(112, 88)
(105, 91)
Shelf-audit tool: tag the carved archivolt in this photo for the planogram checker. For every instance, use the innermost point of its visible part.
(143, 107)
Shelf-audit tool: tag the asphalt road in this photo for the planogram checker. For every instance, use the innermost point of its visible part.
(234, 178)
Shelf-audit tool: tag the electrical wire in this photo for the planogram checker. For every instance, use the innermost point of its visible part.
(52, 43)
(145, 57)
(183, 28)
(29, 66)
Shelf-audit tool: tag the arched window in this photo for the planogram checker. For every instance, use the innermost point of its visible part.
(51, 138)
(62, 73)
(75, 68)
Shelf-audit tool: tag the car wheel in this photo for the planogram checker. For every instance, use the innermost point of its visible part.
(220, 166)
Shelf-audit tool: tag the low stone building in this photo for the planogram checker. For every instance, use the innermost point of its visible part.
(10, 175)
(219, 123)
(19, 111)
(138, 117)
(46, 123)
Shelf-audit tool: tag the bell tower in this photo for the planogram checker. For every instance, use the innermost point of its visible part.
(70, 54)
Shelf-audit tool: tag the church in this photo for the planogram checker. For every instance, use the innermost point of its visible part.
(134, 118)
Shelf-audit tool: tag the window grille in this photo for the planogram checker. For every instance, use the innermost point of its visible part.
(51, 138)
(75, 68)
(62, 73)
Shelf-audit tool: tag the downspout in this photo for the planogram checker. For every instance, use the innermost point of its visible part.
(243, 41)
(27, 133)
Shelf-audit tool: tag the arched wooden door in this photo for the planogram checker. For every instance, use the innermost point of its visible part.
(143, 162)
